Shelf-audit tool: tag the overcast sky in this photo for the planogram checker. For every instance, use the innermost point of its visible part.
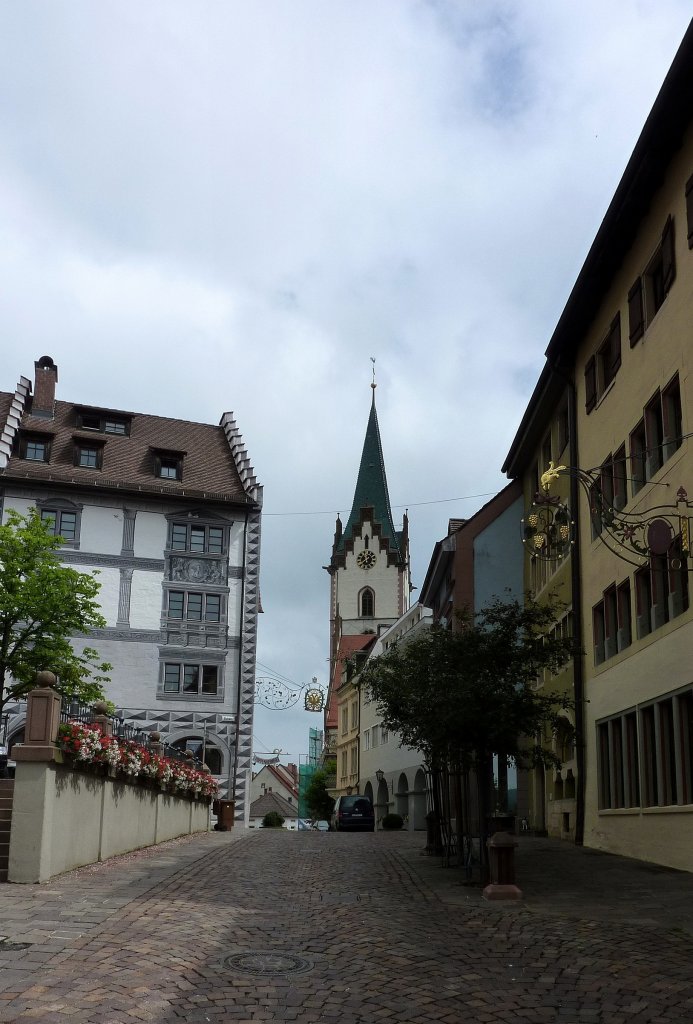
(215, 204)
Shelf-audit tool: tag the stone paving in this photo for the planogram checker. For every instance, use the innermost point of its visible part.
(350, 929)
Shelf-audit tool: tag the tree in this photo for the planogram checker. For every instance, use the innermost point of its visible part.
(318, 800)
(42, 604)
(462, 696)
(272, 819)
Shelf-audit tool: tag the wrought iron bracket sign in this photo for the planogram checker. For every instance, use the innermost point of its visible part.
(277, 695)
(635, 537)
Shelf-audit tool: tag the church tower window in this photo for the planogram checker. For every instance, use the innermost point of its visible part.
(367, 603)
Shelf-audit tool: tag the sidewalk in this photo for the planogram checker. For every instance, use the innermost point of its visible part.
(577, 883)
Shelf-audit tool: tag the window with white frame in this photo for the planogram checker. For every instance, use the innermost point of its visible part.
(190, 679)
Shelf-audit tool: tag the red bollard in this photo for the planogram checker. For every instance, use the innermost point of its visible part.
(501, 852)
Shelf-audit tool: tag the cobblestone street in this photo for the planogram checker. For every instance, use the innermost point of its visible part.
(308, 927)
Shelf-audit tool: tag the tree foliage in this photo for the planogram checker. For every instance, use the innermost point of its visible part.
(42, 605)
(318, 800)
(272, 819)
(461, 696)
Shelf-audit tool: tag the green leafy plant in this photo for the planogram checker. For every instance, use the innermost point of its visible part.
(392, 821)
(272, 819)
(42, 605)
(462, 696)
(318, 800)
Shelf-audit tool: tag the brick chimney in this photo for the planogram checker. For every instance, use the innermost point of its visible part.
(45, 379)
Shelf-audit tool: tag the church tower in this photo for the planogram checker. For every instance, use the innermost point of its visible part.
(369, 566)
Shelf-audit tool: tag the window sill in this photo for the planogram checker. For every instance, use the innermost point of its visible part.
(197, 698)
(669, 809)
(630, 811)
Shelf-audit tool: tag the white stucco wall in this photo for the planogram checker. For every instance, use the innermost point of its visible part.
(109, 581)
(101, 530)
(236, 537)
(21, 505)
(145, 600)
(235, 599)
(135, 671)
(150, 535)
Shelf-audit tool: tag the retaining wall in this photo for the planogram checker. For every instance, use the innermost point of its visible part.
(63, 819)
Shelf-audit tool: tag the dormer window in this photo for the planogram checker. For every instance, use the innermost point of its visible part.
(115, 426)
(168, 465)
(35, 447)
(103, 422)
(88, 454)
(169, 469)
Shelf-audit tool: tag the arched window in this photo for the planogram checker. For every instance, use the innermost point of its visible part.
(367, 610)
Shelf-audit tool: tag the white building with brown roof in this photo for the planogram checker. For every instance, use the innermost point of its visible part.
(168, 511)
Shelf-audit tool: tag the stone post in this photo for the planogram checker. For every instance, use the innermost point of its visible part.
(33, 805)
(42, 721)
(501, 849)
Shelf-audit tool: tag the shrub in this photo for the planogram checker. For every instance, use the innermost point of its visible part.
(272, 819)
(392, 821)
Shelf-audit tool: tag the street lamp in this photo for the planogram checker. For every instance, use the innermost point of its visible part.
(350, 790)
(380, 775)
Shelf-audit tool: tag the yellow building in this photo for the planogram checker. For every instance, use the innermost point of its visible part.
(349, 723)
(623, 346)
(546, 436)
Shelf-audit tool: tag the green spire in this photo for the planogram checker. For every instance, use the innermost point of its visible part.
(371, 487)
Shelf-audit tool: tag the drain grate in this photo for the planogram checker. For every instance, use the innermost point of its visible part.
(266, 963)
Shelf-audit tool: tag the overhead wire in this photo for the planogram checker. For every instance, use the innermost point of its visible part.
(411, 504)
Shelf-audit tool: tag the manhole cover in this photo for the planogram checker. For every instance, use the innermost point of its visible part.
(262, 962)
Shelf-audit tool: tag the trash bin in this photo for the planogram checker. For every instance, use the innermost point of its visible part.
(225, 811)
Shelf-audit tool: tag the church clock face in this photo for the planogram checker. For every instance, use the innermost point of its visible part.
(366, 559)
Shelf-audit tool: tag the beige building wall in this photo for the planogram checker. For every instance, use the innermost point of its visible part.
(629, 681)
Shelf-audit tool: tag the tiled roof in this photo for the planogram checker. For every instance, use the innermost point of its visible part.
(209, 470)
(272, 802)
(5, 400)
(283, 775)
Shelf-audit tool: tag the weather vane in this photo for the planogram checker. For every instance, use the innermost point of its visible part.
(373, 385)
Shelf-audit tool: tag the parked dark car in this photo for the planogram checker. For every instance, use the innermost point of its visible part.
(353, 814)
